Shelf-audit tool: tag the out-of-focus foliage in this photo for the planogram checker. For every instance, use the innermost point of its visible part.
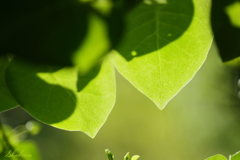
(126, 157)
(217, 157)
(236, 156)
(233, 11)
(33, 127)
(14, 147)
(224, 18)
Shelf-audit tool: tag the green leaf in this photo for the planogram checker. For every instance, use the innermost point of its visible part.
(127, 156)
(236, 156)
(152, 25)
(95, 45)
(109, 154)
(53, 95)
(233, 10)
(135, 157)
(217, 157)
(13, 148)
(7, 101)
(224, 27)
(156, 64)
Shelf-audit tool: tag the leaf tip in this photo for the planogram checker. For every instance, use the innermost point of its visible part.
(135, 157)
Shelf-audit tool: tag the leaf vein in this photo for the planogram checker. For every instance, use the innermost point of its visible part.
(143, 41)
(136, 28)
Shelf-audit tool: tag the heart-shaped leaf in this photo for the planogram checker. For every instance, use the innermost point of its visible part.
(153, 57)
(62, 98)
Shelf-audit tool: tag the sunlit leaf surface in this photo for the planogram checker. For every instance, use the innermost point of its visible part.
(156, 64)
(62, 98)
(217, 157)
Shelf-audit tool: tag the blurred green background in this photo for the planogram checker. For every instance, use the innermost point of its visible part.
(202, 120)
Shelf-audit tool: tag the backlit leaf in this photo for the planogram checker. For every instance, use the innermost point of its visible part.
(159, 55)
(236, 156)
(217, 157)
(62, 98)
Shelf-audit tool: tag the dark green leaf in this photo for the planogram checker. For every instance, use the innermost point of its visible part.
(7, 101)
(57, 33)
(226, 35)
(49, 33)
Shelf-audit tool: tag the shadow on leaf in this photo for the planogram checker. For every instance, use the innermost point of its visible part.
(49, 103)
(154, 24)
(84, 80)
